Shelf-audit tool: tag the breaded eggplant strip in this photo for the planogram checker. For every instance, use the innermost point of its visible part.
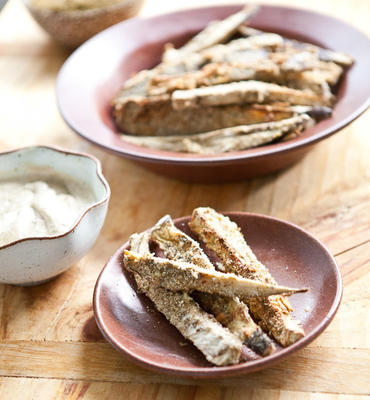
(236, 143)
(215, 32)
(219, 345)
(263, 69)
(224, 237)
(285, 124)
(227, 139)
(334, 56)
(230, 312)
(267, 41)
(214, 74)
(246, 92)
(323, 54)
(217, 145)
(175, 275)
(160, 119)
(242, 138)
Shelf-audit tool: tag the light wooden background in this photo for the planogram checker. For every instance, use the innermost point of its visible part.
(50, 347)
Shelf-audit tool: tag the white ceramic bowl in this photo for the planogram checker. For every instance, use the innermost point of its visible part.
(34, 260)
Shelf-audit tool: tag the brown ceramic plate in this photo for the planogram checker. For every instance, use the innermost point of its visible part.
(93, 74)
(130, 322)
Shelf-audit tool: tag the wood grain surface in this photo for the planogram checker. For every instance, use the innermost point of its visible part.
(50, 347)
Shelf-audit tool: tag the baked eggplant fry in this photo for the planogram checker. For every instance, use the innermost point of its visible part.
(189, 144)
(323, 54)
(339, 58)
(285, 124)
(260, 69)
(334, 56)
(160, 119)
(230, 312)
(218, 344)
(223, 52)
(224, 237)
(236, 143)
(182, 276)
(246, 92)
(214, 74)
(238, 137)
(215, 32)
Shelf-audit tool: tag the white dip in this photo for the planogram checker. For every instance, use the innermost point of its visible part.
(39, 207)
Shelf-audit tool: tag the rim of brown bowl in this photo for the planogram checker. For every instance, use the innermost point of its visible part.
(78, 83)
(99, 174)
(212, 371)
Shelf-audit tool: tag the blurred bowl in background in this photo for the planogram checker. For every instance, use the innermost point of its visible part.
(73, 27)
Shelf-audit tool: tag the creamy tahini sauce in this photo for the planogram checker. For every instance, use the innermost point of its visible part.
(40, 207)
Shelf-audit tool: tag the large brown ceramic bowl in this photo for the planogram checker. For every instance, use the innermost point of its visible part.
(93, 74)
(130, 322)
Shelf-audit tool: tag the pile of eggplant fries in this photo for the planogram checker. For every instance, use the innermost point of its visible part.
(222, 307)
(229, 88)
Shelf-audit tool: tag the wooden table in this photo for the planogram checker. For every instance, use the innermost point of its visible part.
(50, 347)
